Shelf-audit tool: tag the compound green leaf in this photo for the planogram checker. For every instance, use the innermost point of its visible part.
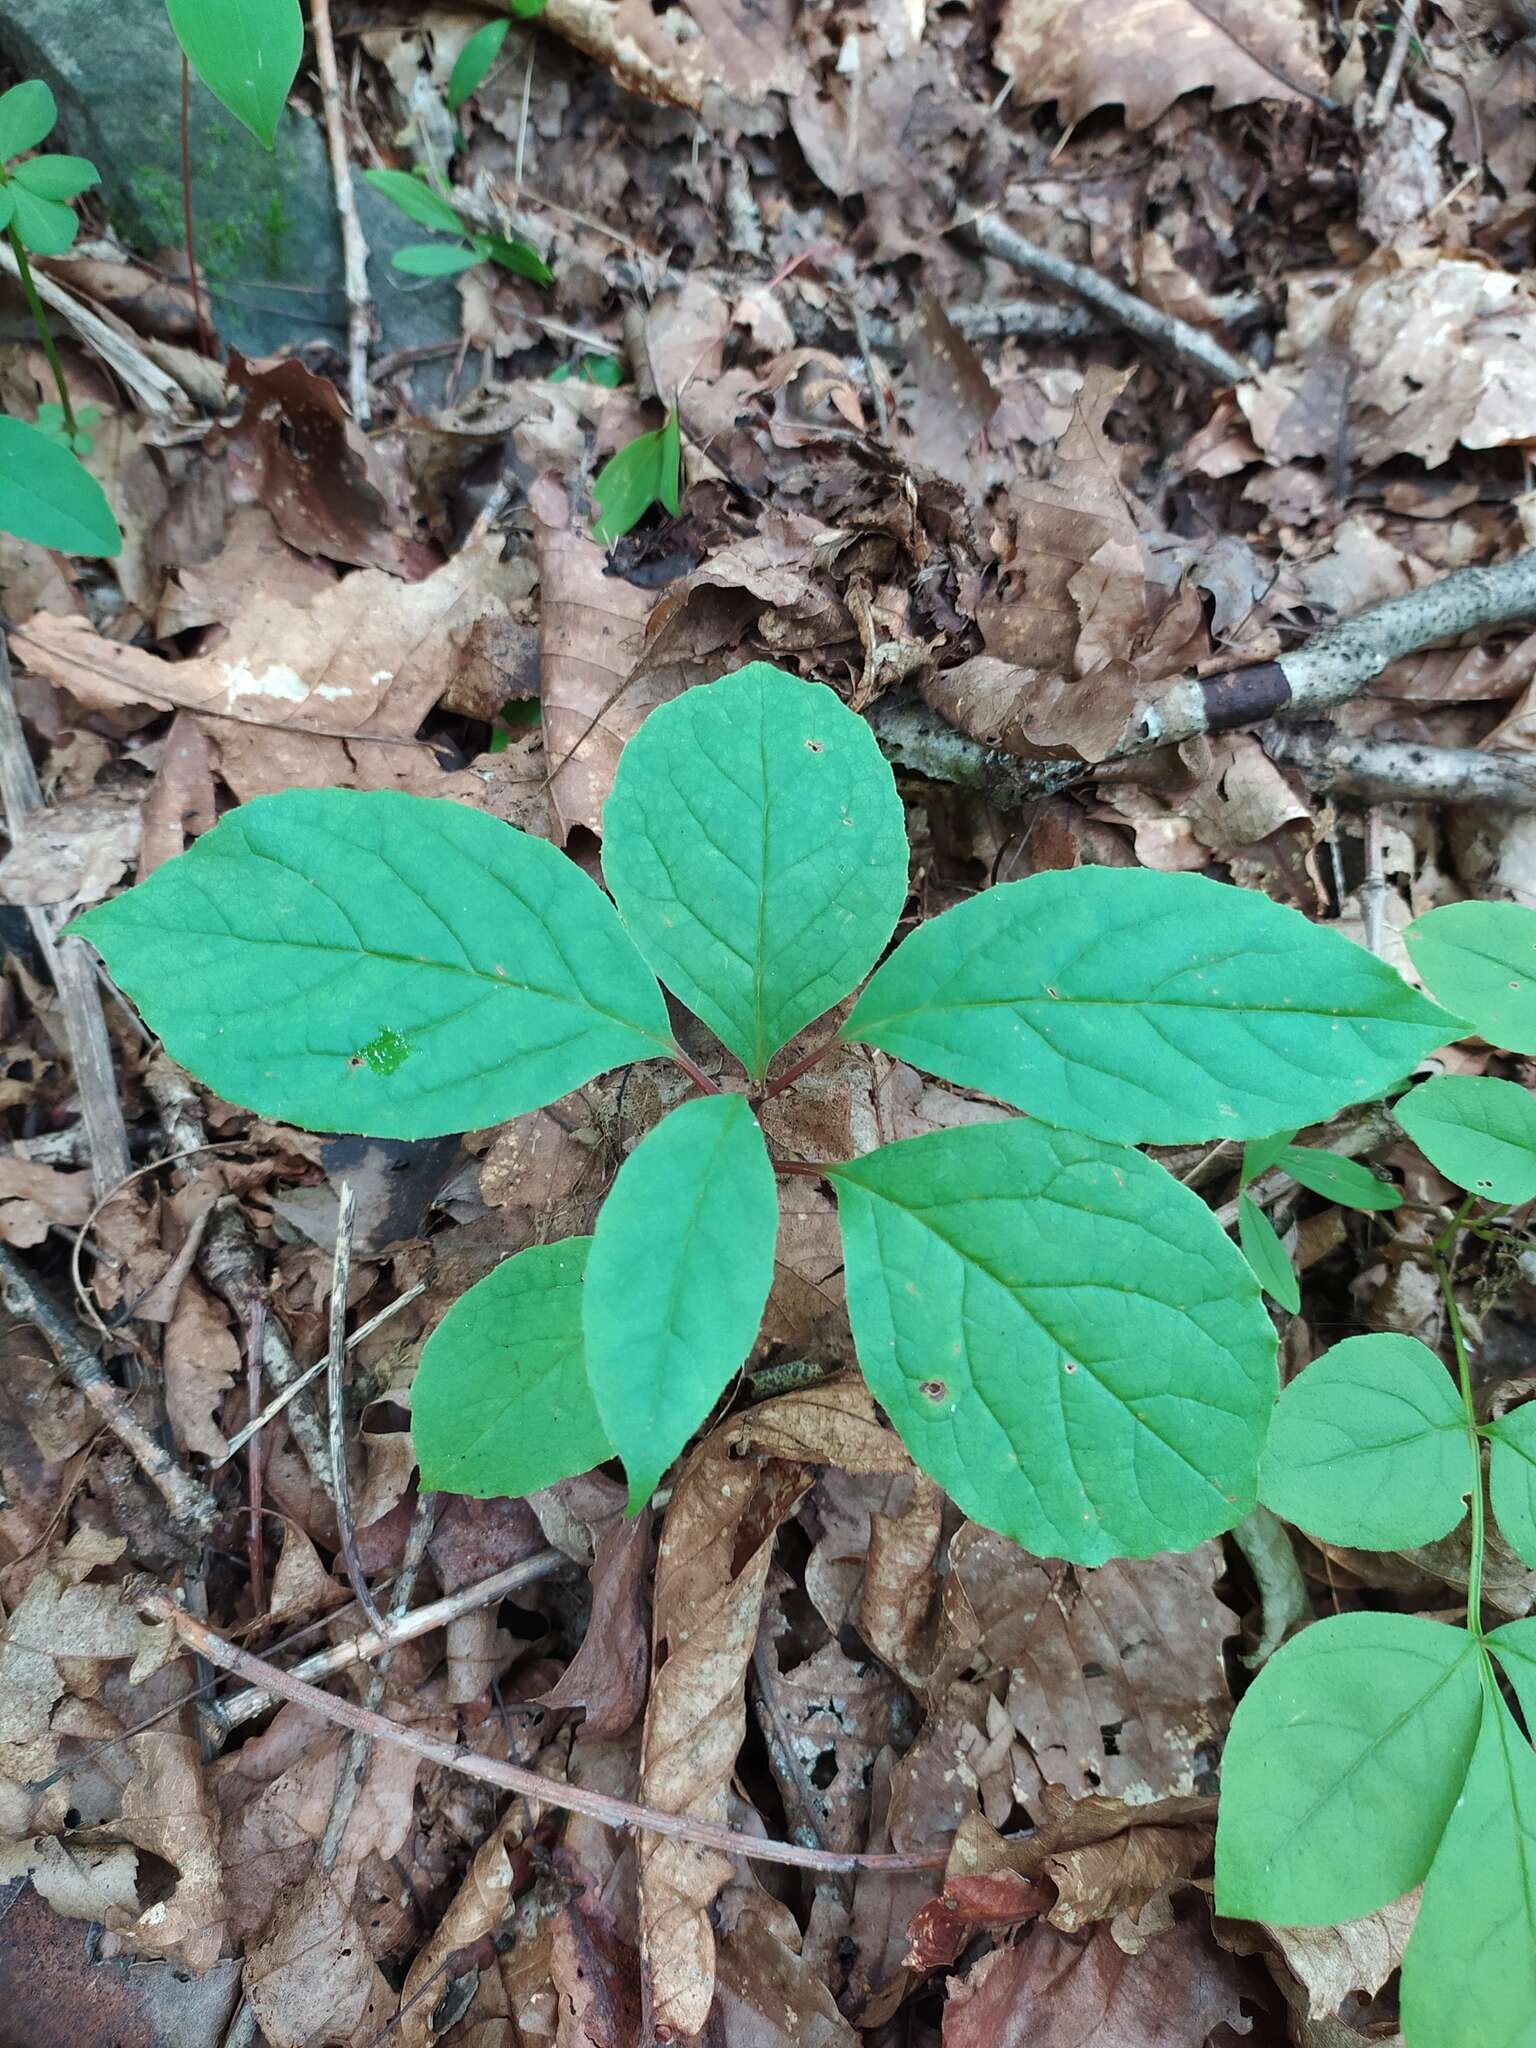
(47, 496)
(755, 844)
(1369, 1447)
(472, 66)
(416, 200)
(1480, 1133)
(1480, 960)
(1146, 1007)
(41, 225)
(1338, 1179)
(434, 259)
(27, 117)
(500, 1403)
(679, 1273)
(1064, 1336)
(1343, 1765)
(644, 472)
(246, 52)
(1512, 1478)
(395, 965)
(56, 177)
(1267, 1255)
(1469, 1975)
(1515, 1647)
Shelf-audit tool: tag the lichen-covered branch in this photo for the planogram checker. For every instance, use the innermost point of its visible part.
(1403, 772)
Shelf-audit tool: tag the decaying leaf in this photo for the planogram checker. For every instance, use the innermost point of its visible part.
(607, 1676)
(727, 58)
(1142, 54)
(313, 1983)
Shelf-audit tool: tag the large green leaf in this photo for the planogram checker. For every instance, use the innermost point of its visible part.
(1267, 1255)
(27, 115)
(1146, 1007)
(678, 1276)
(246, 52)
(1480, 1133)
(500, 1403)
(1469, 1976)
(1369, 1447)
(1063, 1335)
(754, 842)
(1512, 1478)
(1480, 960)
(1515, 1647)
(395, 965)
(1344, 1763)
(47, 495)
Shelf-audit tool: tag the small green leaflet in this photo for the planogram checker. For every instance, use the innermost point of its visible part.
(474, 62)
(500, 1403)
(1480, 1133)
(27, 116)
(246, 52)
(434, 259)
(1515, 1647)
(756, 847)
(1267, 1255)
(1337, 1179)
(1480, 960)
(677, 1279)
(1369, 1447)
(36, 192)
(607, 371)
(514, 256)
(1063, 1336)
(1512, 1478)
(1344, 1763)
(1260, 1154)
(48, 496)
(393, 965)
(644, 472)
(1146, 1007)
(1469, 1974)
(416, 200)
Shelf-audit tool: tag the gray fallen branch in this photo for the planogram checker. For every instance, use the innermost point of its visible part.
(1403, 772)
(191, 1505)
(1163, 330)
(1337, 663)
(914, 736)
(353, 245)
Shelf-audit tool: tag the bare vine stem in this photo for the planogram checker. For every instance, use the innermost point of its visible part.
(205, 335)
(1443, 1254)
(44, 332)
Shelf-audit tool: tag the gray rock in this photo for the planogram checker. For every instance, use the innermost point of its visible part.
(265, 223)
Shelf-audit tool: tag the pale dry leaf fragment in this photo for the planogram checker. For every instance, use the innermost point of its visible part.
(712, 1566)
(167, 1812)
(183, 803)
(480, 1903)
(83, 1881)
(313, 1983)
(254, 559)
(835, 1423)
(770, 1996)
(592, 629)
(35, 1198)
(201, 1361)
(720, 52)
(898, 1598)
(71, 854)
(1359, 1955)
(1143, 54)
(607, 1676)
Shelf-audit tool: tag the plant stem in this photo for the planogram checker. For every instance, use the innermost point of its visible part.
(695, 1074)
(40, 322)
(1443, 1256)
(205, 340)
(801, 1066)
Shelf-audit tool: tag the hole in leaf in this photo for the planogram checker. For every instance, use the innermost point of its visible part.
(824, 1770)
(933, 1390)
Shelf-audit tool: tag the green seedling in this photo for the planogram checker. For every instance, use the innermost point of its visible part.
(418, 201)
(475, 61)
(646, 471)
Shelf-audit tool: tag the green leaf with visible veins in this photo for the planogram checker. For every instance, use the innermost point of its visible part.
(500, 1403)
(756, 846)
(1343, 1766)
(1478, 1132)
(395, 965)
(1338, 1179)
(645, 471)
(246, 52)
(1065, 1337)
(1369, 1447)
(1480, 958)
(48, 496)
(1515, 1647)
(677, 1279)
(1146, 1007)
(1512, 1478)
(1267, 1255)
(1469, 1975)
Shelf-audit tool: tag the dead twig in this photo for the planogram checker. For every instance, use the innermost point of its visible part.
(155, 389)
(1397, 57)
(68, 962)
(1401, 771)
(614, 1813)
(354, 246)
(336, 1356)
(223, 1716)
(191, 1505)
(1163, 330)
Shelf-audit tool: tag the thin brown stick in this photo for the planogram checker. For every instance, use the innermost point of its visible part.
(205, 337)
(354, 247)
(696, 1074)
(1164, 330)
(276, 1406)
(614, 1813)
(225, 1715)
(336, 1356)
(801, 1066)
(191, 1505)
(82, 1235)
(253, 1338)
